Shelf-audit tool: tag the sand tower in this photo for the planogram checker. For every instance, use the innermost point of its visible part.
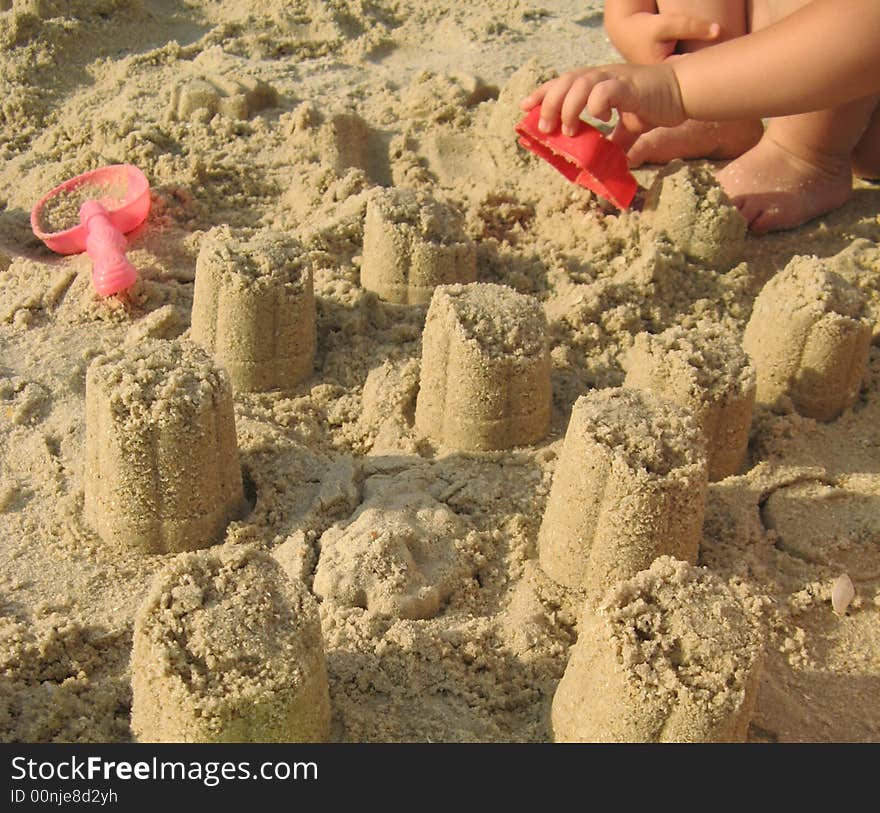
(161, 470)
(629, 486)
(707, 371)
(254, 308)
(672, 655)
(809, 340)
(485, 379)
(412, 244)
(687, 204)
(228, 649)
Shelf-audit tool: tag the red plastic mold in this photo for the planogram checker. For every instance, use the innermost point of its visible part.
(588, 158)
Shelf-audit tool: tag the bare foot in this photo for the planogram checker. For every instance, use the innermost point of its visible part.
(776, 189)
(696, 139)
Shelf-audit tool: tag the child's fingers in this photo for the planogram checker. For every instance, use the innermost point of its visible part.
(574, 103)
(685, 27)
(554, 98)
(600, 91)
(534, 98)
(567, 96)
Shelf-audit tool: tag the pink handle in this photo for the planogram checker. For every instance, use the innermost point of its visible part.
(105, 244)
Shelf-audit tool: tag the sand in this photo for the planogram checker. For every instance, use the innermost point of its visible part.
(686, 205)
(61, 211)
(809, 338)
(291, 117)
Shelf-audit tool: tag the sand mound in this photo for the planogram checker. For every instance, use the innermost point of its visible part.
(254, 308)
(485, 374)
(412, 244)
(687, 204)
(399, 556)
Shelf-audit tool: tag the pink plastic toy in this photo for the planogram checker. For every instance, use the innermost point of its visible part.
(588, 158)
(116, 199)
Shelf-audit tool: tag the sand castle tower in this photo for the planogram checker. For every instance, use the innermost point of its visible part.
(707, 371)
(412, 244)
(161, 469)
(228, 650)
(687, 204)
(630, 485)
(673, 655)
(809, 339)
(254, 308)
(485, 378)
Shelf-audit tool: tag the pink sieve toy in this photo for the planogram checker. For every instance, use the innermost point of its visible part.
(588, 158)
(116, 199)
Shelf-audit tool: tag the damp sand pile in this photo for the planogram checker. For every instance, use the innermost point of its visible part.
(354, 164)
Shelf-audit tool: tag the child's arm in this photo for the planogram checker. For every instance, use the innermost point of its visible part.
(824, 55)
(646, 37)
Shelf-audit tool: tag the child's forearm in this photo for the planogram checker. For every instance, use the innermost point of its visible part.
(824, 55)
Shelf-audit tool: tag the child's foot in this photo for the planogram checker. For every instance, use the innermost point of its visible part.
(696, 139)
(776, 189)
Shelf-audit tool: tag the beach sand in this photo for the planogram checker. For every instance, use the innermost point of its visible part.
(292, 117)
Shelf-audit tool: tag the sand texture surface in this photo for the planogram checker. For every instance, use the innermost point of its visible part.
(407, 545)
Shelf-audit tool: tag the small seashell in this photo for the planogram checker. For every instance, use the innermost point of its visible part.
(842, 593)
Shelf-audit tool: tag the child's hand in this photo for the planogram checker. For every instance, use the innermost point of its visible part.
(645, 96)
(648, 39)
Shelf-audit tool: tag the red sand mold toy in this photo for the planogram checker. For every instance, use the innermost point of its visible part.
(588, 159)
(108, 203)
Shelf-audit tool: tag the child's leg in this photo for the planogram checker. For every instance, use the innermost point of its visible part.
(699, 139)
(802, 166)
(866, 156)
